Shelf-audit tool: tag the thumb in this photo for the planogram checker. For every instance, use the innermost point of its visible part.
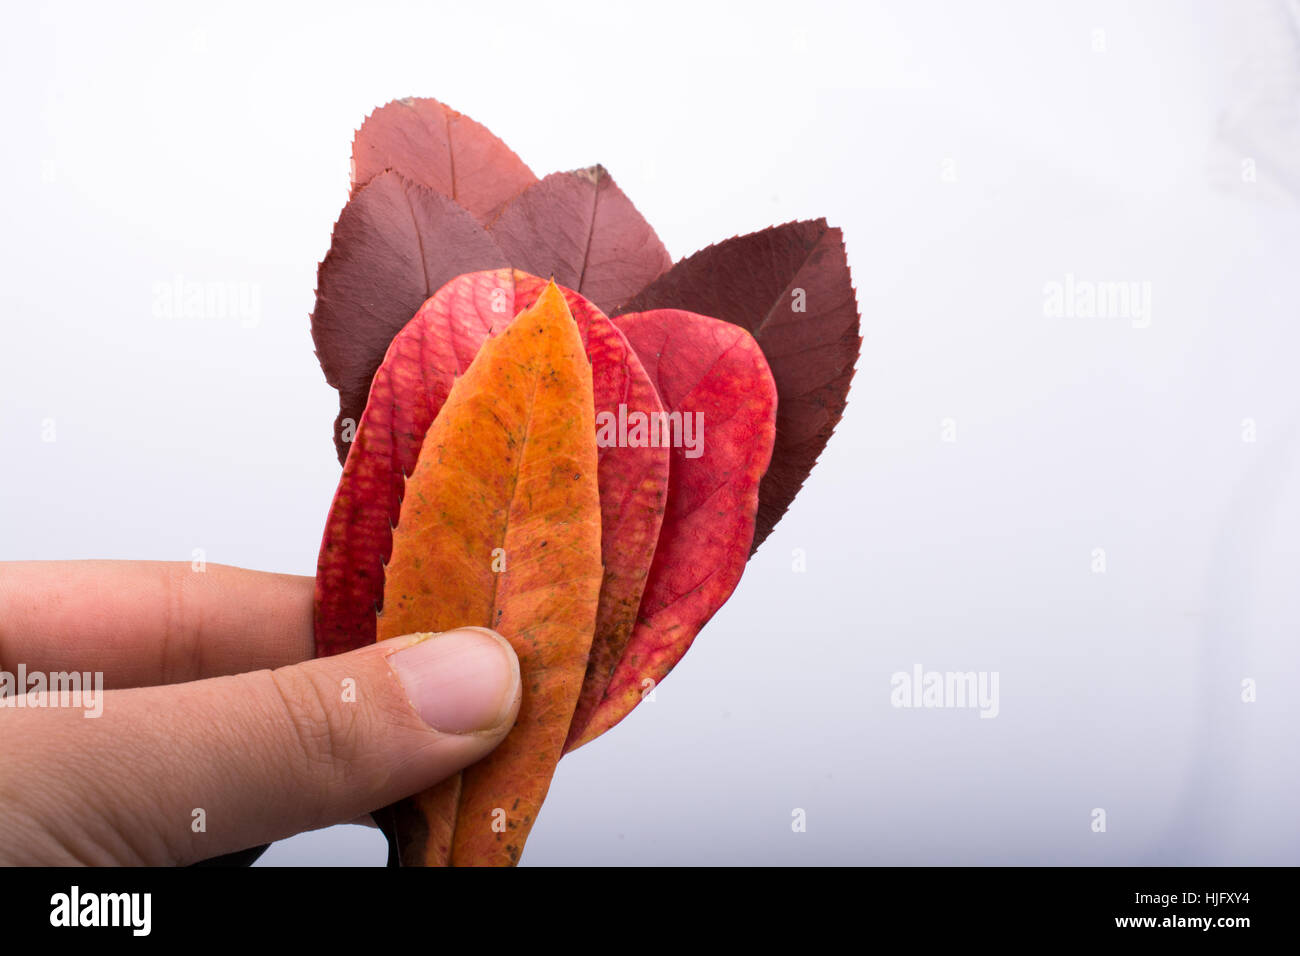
(190, 771)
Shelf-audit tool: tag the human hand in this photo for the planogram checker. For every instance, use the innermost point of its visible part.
(212, 709)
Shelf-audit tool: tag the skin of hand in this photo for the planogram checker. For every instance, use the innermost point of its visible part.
(213, 710)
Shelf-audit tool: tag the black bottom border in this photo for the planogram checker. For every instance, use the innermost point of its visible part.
(927, 904)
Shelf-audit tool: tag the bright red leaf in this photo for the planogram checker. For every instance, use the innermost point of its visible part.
(712, 375)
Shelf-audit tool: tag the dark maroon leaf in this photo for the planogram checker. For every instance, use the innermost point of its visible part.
(760, 282)
(395, 244)
(433, 145)
(581, 229)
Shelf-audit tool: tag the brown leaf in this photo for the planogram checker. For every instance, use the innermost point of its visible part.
(443, 150)
(581, 229)
(395, 244)
(758, 282)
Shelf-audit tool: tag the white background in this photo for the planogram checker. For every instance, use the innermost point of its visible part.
(972, 153)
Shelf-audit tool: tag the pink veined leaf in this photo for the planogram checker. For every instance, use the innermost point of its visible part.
(582, 229)
(432, 144)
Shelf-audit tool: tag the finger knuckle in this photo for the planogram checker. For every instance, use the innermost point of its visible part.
(325, 737)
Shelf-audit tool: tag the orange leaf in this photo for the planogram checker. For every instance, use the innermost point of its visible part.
(500, 527)
(406, 394)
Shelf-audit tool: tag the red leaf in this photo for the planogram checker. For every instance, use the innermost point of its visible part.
(703, 367)
(580, 228)
(442, 150)
(394, 245)
(410, 388)
(752, 281)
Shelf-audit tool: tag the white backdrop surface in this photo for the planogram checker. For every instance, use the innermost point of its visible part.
(973, 154)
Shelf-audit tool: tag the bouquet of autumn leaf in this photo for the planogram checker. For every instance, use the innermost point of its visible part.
(549, 429)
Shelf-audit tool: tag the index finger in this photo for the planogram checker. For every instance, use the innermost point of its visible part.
(151, 622)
